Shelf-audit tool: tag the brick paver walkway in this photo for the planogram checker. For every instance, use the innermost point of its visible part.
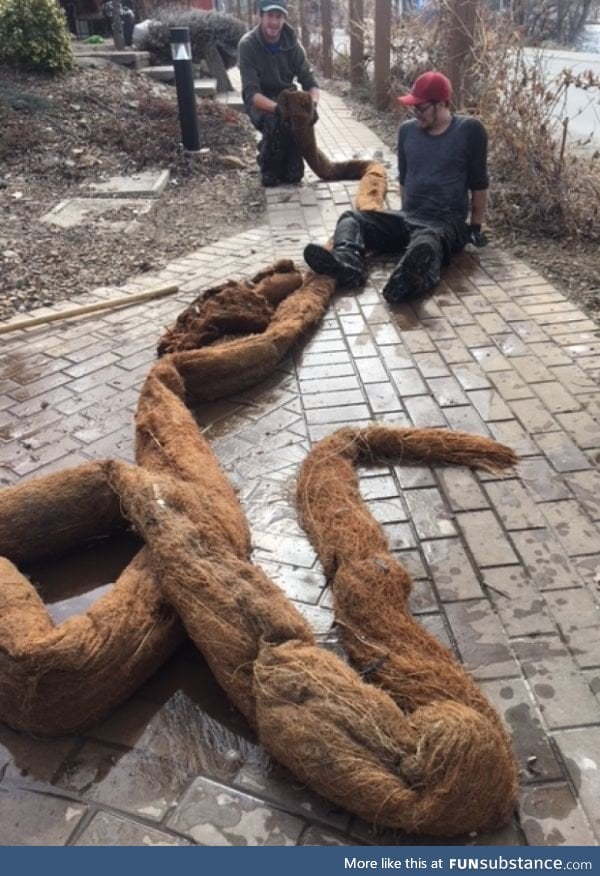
(507, 568)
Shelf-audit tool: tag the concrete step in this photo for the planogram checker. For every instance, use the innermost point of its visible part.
(233, 99)
(163, 73)
(126, 58)
(205, 87)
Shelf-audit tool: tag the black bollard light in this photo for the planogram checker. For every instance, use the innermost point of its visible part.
(181, 52)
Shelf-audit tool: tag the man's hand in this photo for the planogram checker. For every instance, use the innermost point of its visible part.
(476, 236)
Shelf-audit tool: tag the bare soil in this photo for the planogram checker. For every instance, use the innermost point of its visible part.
(59, 135)
(572, 265)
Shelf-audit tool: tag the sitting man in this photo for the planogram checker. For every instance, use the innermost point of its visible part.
(270, 58)
(442, 158)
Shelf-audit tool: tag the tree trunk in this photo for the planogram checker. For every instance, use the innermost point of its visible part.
(326, 39)
(304, 28)
(117, 25)
(463, 15)
(381, 75)
(580, 17)
(357, 42)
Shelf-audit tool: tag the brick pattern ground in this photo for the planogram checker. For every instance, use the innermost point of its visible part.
(507, 569)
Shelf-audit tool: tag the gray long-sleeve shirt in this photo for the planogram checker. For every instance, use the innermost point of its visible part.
(264, 72)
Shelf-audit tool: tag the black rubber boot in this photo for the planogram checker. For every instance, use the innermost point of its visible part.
(269, 178)
(270, 161)
(271, 151)
(345, 264)
(416, 274)
(293, 171)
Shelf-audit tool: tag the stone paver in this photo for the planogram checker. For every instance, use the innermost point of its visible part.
(30, 819)
(507, 568)
(551, 816)
(105, 829)
(212, 815)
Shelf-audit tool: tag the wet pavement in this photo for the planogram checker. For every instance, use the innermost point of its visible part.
(507, 569)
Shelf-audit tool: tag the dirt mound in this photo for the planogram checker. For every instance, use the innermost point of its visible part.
(60, 134)
(107, 120)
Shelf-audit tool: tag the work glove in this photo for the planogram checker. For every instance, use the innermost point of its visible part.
(315, 115)
(476, 236)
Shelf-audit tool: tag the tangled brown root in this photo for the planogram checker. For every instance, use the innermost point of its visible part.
(57, 679)
(421, 750)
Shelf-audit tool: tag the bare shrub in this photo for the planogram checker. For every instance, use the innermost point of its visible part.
(544, 20)
(207, 29)
(544, 181)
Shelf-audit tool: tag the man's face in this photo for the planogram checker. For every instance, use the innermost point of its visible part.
(271, 24)
(426, 114)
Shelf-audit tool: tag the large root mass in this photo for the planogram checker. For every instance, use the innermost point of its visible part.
(421, 749)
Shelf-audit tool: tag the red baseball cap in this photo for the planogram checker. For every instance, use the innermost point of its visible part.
(430, 86)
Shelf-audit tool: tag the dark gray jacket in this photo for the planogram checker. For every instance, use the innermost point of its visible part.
(265, 73)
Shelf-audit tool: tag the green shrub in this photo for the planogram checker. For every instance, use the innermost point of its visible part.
(206, 29)
(34, 36)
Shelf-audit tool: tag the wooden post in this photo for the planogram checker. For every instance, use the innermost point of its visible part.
(251, 21)
(357, 42)
(383, 24)
(326, 41)
(463, 15)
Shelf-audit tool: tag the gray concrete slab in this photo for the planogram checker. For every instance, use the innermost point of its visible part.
(83, 211)
(161, 72)
(145, 184)
(125, 58)
(232, 99)
(205, 87)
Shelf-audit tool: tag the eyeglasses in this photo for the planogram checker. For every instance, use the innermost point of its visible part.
(422, 108)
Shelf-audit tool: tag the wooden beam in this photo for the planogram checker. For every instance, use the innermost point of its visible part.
(122, 301)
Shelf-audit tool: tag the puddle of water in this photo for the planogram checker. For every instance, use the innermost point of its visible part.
(405, 318)
(16, 366)
(71, 583)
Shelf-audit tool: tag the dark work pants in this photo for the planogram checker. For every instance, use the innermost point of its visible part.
(278, 154)
(391, 231)
(128, 25)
